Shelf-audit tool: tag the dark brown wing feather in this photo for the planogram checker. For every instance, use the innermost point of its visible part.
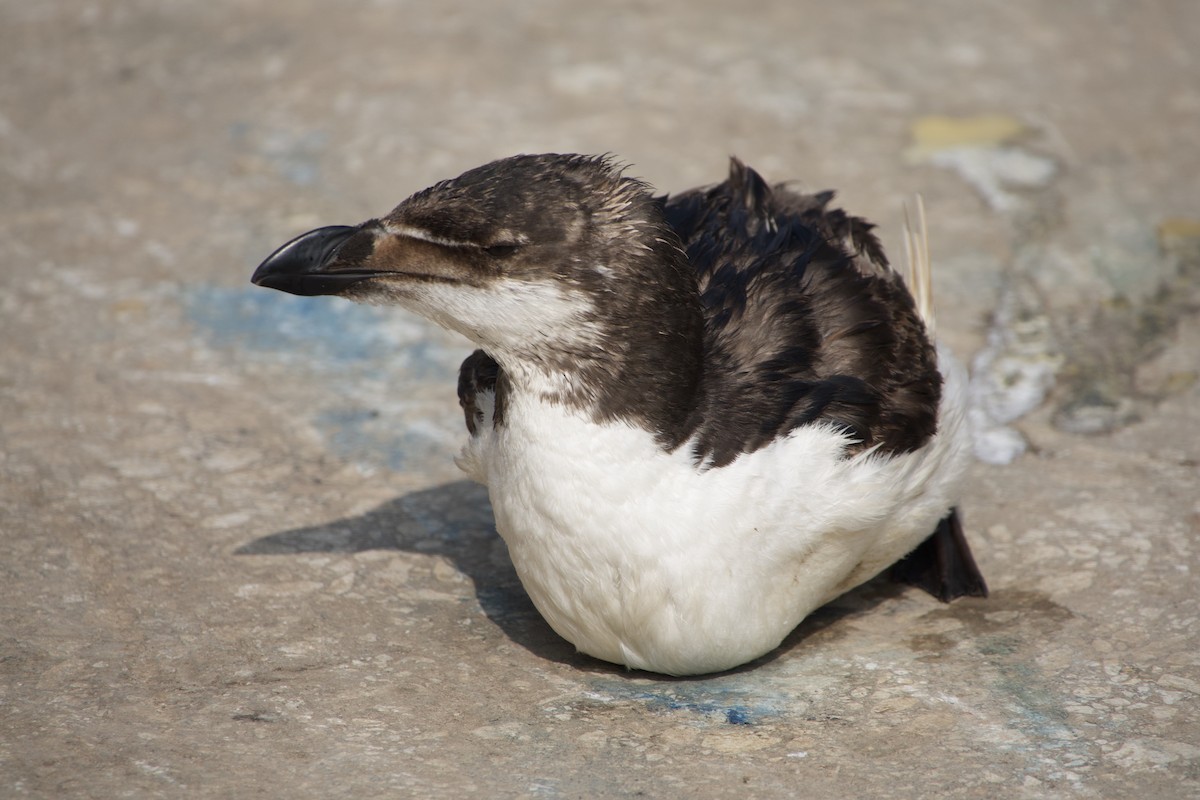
(479, 373)
(805, 322)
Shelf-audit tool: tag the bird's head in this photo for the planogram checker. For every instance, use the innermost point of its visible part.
(536, 258)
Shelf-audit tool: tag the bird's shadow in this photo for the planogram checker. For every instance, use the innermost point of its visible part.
(454, 520)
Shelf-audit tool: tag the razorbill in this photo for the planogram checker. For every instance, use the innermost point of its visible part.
(698, 417)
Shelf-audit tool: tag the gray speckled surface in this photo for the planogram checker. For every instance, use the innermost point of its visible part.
(238, 561)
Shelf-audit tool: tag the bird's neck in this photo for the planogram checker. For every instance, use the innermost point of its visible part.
(644, 365)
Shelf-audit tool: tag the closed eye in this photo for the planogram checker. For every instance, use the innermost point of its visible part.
(501, 250)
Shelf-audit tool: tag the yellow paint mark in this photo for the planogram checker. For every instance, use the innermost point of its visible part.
(1178, 228)
(1180, 381)
(937, 132)
(129, 305)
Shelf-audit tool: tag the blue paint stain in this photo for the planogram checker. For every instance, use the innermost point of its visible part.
(295, 156)
(737, 716)
(321, 327)
(341, 345)
(715, 708)
(362, 434)
(298, 157)
(324, 333)
(713, 699)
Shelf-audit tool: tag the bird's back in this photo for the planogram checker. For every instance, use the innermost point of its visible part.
(805, 323)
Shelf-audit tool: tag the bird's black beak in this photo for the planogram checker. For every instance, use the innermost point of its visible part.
(325, 261)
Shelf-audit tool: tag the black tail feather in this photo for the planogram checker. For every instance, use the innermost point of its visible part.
(942, 564)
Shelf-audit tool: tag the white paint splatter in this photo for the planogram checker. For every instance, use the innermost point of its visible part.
(1010, 377)
(992, 171)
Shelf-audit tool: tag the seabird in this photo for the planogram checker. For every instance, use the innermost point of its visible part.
(699, 417)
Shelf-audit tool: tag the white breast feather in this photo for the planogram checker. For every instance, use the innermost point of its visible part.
(639, 558)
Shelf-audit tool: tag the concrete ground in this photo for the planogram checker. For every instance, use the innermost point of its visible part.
(238, 561)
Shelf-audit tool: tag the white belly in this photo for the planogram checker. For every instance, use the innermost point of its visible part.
(639, 558)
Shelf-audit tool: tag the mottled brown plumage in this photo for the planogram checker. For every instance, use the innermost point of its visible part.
(804, 322)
